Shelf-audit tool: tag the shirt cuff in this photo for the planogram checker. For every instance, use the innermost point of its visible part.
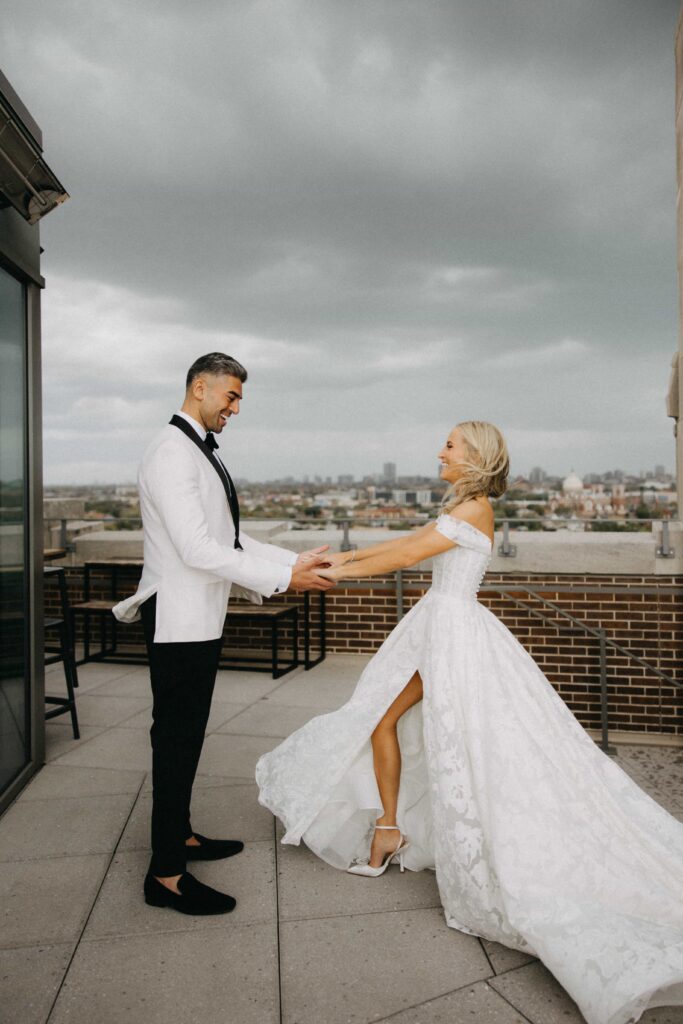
(284, 581)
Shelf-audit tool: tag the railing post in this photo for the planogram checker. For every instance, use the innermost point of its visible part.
(506, 549)
(346, 543)
(399, 594)
(665, 550)
(604, 706)
(62, 533)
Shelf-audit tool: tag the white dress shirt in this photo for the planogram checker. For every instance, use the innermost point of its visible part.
(286, 577)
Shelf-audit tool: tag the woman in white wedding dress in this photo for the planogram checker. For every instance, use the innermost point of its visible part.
(454, 736)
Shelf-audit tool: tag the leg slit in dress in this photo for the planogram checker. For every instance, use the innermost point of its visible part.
(342, 828)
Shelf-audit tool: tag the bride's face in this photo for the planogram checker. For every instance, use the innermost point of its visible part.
(452, 455)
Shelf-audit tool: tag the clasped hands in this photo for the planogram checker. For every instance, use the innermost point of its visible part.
(317, 569)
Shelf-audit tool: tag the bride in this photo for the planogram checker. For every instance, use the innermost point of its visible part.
(455, 753)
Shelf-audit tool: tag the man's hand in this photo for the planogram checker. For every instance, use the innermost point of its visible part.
(306, 557)
(305, 574)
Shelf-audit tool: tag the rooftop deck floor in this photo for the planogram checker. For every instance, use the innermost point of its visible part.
(306, 945)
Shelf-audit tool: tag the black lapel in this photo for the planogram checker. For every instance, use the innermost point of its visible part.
(229, 488)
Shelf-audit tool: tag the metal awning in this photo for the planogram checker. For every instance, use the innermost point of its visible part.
(26, 182)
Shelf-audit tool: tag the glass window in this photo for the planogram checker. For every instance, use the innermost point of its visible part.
(14, 665)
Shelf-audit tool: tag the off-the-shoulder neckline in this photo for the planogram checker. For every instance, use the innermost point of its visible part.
(465, 523)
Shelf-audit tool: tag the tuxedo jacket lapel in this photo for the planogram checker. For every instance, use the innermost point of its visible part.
(226, 480)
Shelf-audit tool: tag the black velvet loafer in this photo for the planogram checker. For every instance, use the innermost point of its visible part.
(213, 849)
(194, 897)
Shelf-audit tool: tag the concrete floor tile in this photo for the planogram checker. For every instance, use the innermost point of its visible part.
(233, 755)
(341, 665)
(63, 826)
(47, 901)
(93, 674)
(266, 718)
(308, 887)
(534, 992)
(227, 974)
(29, 981)
(133, 684)
(59, 780)
(113, 748)
(351, 970)
(504, 959)
(231, 812)
(221, 711)
(244, 687)
(326, 694)
(476, 1004)
(59, 737)
(663, 1015)
(121, 909)
(205, 782)
(99, 709)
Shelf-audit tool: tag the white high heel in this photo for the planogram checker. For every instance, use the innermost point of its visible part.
(397, 854)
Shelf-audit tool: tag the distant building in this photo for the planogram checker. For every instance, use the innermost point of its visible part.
(345, 480)
(389, 473)
(411, 496)
(572, 484)
(537, 475)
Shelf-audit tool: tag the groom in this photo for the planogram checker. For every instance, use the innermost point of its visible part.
(195, 556)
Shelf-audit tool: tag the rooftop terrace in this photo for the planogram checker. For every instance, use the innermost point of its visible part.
(307, 944)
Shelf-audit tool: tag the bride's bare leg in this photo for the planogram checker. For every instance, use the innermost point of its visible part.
(387, 760)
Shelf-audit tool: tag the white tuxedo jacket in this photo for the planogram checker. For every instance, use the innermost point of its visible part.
(190, 561)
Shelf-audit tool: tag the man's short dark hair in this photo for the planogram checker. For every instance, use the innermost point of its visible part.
(217, 364)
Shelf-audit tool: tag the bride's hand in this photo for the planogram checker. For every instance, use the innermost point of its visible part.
(334, 573)
(340, 558)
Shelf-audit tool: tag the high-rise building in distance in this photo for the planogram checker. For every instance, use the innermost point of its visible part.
(389, 474)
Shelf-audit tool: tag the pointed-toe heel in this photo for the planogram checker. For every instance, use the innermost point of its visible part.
(393, 855)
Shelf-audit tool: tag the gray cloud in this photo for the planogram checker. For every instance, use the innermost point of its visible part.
(398, 214)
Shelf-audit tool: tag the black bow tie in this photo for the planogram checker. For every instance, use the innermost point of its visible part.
(210, 442)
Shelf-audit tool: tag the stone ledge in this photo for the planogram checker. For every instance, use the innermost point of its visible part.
(563, 551)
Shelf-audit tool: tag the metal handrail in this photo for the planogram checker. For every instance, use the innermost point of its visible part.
(604, 642)
(505, 549)
(582, 625)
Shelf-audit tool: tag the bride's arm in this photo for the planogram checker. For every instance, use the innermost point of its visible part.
(360, 554)
(395, 554)
(406, 551)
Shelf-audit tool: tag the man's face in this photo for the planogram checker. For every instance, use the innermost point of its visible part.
(218, 399)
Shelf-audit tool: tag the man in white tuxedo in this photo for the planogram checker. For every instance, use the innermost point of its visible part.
(195, 556)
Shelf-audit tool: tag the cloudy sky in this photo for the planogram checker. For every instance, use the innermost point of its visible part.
(397, 213)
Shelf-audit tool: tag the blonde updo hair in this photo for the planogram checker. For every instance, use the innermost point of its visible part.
(487, 469)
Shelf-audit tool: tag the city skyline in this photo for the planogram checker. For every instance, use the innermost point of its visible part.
(659, 471)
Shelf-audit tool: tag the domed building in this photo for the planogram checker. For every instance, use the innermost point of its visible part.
(572, 484)
(585, 502)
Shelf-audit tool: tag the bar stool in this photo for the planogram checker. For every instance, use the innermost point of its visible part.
(62, 651)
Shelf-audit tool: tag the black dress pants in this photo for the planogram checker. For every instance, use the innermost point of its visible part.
(183, 677)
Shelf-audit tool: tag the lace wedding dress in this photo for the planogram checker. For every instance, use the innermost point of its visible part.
(538, 839)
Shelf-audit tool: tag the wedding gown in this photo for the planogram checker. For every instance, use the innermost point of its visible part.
(538, 839)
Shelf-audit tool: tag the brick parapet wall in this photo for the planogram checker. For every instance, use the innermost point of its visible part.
(644, 614)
